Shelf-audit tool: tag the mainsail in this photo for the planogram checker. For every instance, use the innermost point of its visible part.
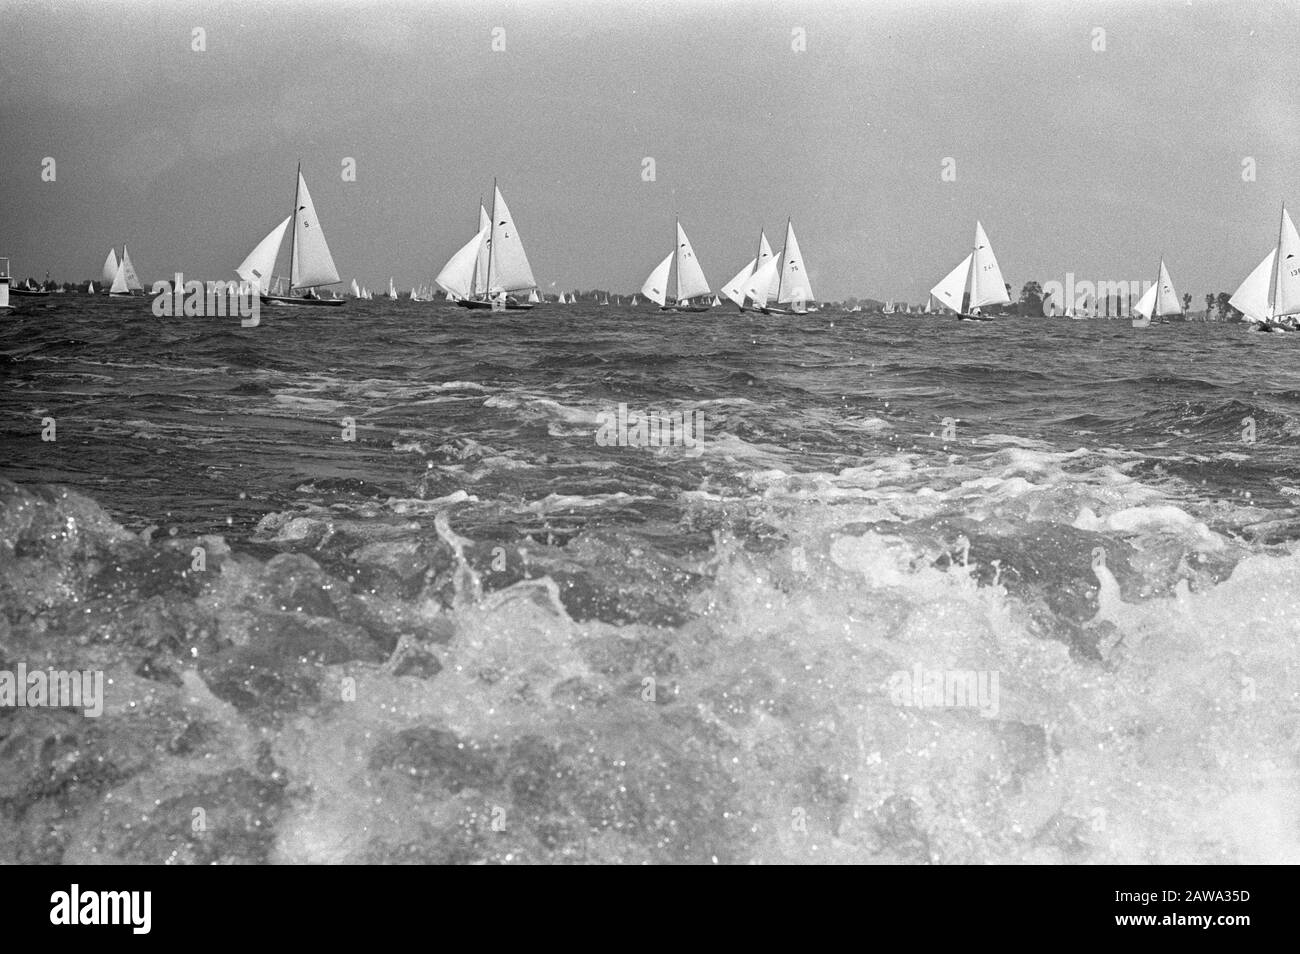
(128, 272)
(259, 266)
(690, 276)
(310, 261)
(794, 283)
(987, 286)
(508, 268)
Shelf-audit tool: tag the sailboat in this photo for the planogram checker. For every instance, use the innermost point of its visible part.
(793, 287)
(1159, 301)
(355, 289)
(1271, 293)
(691, 282)
(974, 283)
(507, 269)
(605, 299)
(392, 292)
(90, 288)
(4, 283)
(534, 298)
(310, 264)
(125, 281)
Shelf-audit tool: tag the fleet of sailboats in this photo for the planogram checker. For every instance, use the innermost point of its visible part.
(492, 268)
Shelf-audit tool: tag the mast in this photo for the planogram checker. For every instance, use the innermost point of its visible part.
(780, 271)
(492, 230)
(293, 222)
(970, 279)
(473, 280)
(1277, 264)
(677, 257)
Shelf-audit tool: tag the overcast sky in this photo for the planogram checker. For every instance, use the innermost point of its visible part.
(1074, 159)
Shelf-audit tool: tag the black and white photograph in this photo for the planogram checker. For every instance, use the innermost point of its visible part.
(660, 433)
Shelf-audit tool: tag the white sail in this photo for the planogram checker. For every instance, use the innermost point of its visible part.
(448, 295)
(119, 286)
(1284, 293)
(392, 292)
(656, 286)
(128, 272)
(1167, 302)
(534, 297)
(259, 266)
(949, 291)
(312, 263)
(457, 277)
(1252, 297)
(735, 289)
(795, 284)
(987, 286)
(508, 268)
(90, 288)
(110, 268)
(634, 301)
(1145, 306)
(716, 302)
(356, 291)
(690, 276)
(413, 296)
(758, 288)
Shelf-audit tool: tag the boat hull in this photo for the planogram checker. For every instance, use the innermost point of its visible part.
(26, 292)
(297, 302)
(484, 305)
(685, 307)
(974, 318)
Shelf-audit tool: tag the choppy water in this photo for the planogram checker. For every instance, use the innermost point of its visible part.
(475, 633)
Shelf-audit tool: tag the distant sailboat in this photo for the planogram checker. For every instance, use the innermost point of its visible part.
(634, 301)
(535, 298)
(1271, 292)
(125, 280)
(976, 282)
(90, 288)
(311, 266)
(356, 290)
(605, 299)
(691, 282)
(1159, 301)
(392, 291)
